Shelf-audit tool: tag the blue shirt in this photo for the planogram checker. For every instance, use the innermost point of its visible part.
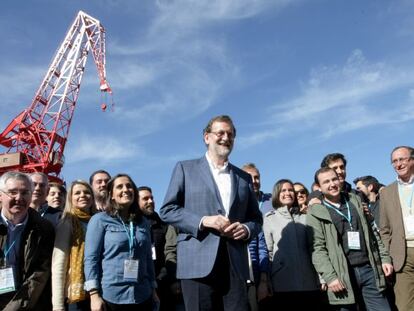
(14, 237)
(107, 248)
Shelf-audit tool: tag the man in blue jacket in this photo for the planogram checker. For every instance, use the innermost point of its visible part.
(213, 205)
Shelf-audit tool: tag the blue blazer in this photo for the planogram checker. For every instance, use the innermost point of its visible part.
(192, 194)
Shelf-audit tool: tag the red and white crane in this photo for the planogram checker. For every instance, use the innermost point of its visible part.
(35, 140)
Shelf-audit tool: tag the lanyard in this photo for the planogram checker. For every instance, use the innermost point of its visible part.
(130, 236)
(410, 199)
(7, 251)
(347, 217)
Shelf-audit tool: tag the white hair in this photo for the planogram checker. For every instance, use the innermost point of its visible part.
(16, 176)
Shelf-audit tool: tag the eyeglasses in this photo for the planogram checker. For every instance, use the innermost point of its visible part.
(400, 160)
(14, 193)
(301, 191)
(220, 134)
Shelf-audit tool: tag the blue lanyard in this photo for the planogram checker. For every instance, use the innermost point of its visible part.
(130, 236)
(400, 190)
(348, 218)
(7, 251)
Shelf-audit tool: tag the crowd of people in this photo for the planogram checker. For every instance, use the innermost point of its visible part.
(217, 243)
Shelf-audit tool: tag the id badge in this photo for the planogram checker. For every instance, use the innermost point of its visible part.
(409, 224)
(131, 270)
(154, 254)
(354, 242)
(7, 280)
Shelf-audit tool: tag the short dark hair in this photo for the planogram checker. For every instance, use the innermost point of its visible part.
(277, 189)
(250, 166)
(410, 150)
(220, 118)
(144, 188)
(97, 172)
(332, 157)
(61, 187)
(369, 180)
(314, 184)
(321, 171)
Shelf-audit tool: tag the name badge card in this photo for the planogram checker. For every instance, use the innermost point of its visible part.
(353, 240)
(7, 280)
(154, 254)
(409, 223)
(131, 270)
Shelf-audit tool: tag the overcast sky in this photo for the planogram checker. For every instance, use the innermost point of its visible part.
(299, 78)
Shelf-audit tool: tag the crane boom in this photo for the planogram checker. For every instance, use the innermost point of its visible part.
(36, 138)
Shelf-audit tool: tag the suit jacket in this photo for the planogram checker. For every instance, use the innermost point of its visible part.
(192, 194)
(392, 225)
(35, 255)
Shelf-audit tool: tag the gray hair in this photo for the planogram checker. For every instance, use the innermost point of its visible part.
(43, 175)
(16, 176)
(410, 150)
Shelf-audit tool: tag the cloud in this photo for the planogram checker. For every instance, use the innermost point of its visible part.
(102, 150)
(191, 15)
(338, 99)
(177, 66)
(19, 82)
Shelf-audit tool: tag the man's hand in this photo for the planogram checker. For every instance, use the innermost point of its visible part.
(336, 286)
(263, 290)
(218, 222)
(314, 201)
(175, 288)
(388, 269)
(236, 231)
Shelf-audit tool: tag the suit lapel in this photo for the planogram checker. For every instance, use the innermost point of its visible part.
(234, 185)
(208, 178)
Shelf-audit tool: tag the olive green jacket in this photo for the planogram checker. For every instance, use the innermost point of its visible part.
(328, 256)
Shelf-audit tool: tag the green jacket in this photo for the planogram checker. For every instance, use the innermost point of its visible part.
(328, 257)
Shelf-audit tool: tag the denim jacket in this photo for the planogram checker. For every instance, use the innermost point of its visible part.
(107, 248)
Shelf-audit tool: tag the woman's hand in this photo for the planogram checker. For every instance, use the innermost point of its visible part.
(97, 303)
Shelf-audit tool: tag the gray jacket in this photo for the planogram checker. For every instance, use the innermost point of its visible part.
(287, 242)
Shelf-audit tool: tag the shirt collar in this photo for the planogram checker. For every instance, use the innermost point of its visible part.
(223, 169)
(10, 224)
(43, 208)
(403, 183)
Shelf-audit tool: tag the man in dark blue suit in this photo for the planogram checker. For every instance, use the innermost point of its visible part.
(213, 205)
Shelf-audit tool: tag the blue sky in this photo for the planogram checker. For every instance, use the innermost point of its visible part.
(299, 78)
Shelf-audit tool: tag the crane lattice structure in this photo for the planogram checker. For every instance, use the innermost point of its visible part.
(35, 140)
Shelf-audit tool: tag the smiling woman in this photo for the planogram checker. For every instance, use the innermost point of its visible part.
(118, 261)
(293, 277)
(68, 254)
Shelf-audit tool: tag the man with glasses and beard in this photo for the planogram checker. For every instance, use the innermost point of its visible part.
(214, 207)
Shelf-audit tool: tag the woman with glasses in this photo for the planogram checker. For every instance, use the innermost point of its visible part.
(118, 261)
(302, 194)
(294, 280)
(68, 254)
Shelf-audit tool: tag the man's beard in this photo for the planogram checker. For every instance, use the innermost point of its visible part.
(100, 196)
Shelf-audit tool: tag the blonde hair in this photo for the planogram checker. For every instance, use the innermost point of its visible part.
(68, 206)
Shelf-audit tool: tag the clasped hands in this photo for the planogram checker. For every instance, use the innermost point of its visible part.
(222, 224)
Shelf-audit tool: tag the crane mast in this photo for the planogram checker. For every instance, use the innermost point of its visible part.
(35, 140)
